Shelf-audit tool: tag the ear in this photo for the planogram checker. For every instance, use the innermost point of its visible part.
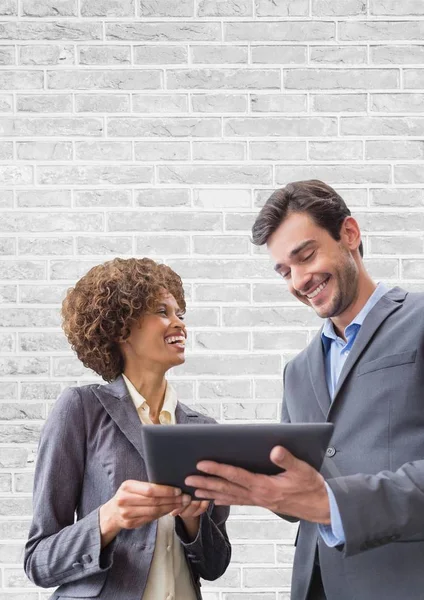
(350, 233)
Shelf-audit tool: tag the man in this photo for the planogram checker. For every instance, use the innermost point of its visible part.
(361, 534)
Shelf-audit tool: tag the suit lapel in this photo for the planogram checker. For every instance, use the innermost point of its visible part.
(117, 402)
(388, 304)
(316, 367)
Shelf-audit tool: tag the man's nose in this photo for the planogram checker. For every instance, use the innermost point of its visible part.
(300, 279)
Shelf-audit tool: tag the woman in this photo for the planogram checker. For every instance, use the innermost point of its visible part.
(130, 539)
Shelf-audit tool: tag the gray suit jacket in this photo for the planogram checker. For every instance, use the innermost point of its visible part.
(91, 443)
(375, 466)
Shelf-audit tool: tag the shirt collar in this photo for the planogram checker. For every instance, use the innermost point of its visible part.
(328, 335)
(169, 403)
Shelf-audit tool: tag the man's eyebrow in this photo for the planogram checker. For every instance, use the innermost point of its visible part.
(295, 252)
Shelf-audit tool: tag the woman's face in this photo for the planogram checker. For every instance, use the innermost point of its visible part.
(158, 338)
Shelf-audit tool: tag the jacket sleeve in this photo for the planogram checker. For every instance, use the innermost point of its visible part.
(60, 550)
(397, 501)
(210, 553)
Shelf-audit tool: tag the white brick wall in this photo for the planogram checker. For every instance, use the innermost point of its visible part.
(159, 127)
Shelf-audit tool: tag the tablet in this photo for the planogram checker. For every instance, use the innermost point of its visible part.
(172, 451)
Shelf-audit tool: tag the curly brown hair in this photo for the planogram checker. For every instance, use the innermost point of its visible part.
(107, 301)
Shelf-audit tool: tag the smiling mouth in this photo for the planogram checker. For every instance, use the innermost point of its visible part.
(317, 290)
(177, 340)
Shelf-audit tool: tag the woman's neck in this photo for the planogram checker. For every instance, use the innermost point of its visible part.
(151, 385)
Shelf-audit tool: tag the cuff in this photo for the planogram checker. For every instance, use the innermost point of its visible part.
(333, 534)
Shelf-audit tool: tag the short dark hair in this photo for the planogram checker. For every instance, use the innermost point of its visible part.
(314, 197)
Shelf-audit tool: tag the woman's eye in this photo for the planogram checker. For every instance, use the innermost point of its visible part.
(162, 312)
(181, 317)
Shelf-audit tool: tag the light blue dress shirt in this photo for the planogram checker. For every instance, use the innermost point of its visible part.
(336, 351)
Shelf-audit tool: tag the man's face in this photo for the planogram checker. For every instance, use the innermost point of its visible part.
(320, 271)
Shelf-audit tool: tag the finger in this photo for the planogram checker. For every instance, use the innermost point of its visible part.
(149, 512)
(222, 499)
(283, 458)
(216, 484)
(152, 490)
(233, 474)
(125, 499)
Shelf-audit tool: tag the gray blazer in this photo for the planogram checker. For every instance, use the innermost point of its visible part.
(91, 443)
(375, 463)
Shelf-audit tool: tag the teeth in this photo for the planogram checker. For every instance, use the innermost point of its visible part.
(171, 340)
(317, 291)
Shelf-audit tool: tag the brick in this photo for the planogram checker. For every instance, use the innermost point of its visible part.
(107, 8)
(397, 103)
(284, 55)
(392, 8)
(371, 31)
(333, 174)
(234, 293)
(11, 553)
(396, 222)
(283, 8)
(249, 412)
(131, 79)
(225, 388)
(395, 244)
(43, 103)
(221, 245)
(40, 390)
(6, 151)
(413, 78)
(228, 364)
(225, 79)
(396, 150)
(232, 268)
(265, 316)
(8, 294)
(280, 126)
(43, 198)
(221, 198)
(352, 55)
(285, 553)
(279, 340)
(8, 391)
(408, 174)
(11, 458)
(147, 245)
(205, 174)
(219, 54)
(252, 553)
(7, 55)
(20, 411)
(331, 79)
(104, 55)
(42, 294)
(165, 127)
(231, 579)
(108, 103)
(21, 80)
(281, 31)
(26, 222)
(29, 317)
(250, 595)
(162, 197)
(45, 246)
(160, 103)
(104, 245)
(100, 151)
(240, 221)
(46, 54)
(49, 8)
(103, 198)
(159, 55)
(335, 150)
(72, 269)
(24, 366)
(211, 340)
(15, 578)
(287, 150)
(44, 150)
(23, 484)
(42, 342)
(166, 8)
(382, 269)
(81, 175)
(6, 103)
(268, 389)
(69, 366)
(8, 8)
(266, 577)
(413, 269)
(224, 8)
(7, 343)
(163, 151)
(382, 126)
(392, 54)
(217, 151)
(50, 30)
(397, 197)
(14, 529)
(11, 175)
(202, 317)
(341, 8)
(164, 31)
(163, 221)
(50, 126)
(281, 103)
(247, 529)
(217, 103)
(335, 103)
